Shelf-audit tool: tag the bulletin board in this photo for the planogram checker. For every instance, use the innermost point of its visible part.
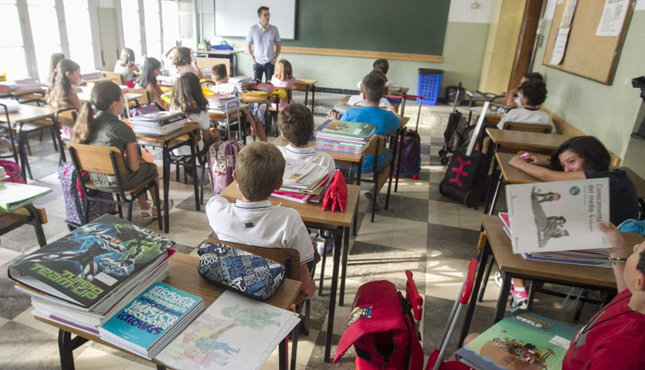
(587, 55)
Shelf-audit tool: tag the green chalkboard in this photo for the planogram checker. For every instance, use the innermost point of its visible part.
(397, 26)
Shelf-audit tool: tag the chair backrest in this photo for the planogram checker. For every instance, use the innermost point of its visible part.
(208, 63)
(528, 127)
(280, 255)
(206, 82)
(375, 147)
(96, 159)
(116, 77)
(145, 95)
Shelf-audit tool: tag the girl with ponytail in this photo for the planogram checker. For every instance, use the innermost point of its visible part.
(61, 91)
(105, 129)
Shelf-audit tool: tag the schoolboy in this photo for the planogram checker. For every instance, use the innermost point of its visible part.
(532, 94)
(296, 125)
(253, 220)
(220, 77)
(385, 120)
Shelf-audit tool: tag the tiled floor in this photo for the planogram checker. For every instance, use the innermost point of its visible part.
(422, 231)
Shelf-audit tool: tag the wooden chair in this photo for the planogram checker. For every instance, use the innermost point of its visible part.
(184, 161)
(109, 161)
(116, 77)
(290, 260)
(145, 95)
(376, 148)
(528, 127)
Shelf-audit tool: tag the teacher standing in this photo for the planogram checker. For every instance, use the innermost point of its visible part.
(261, 41)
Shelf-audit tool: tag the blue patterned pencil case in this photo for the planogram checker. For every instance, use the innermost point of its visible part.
(231, 268)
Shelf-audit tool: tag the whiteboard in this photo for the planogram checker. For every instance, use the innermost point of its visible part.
(235, 17)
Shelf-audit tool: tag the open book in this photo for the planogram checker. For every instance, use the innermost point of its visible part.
(14, 196)
(558, 216)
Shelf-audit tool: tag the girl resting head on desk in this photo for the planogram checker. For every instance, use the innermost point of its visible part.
(579, 158)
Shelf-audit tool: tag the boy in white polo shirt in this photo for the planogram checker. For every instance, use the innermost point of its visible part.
(253, 220)
(296, 126)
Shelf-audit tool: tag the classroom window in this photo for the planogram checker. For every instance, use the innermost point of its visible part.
(186, 22)
(12, 51)
(79, 35)
(132, 26)
(45, 32)
(153, 28)
(169, 11)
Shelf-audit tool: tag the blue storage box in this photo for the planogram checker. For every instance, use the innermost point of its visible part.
(429, 85)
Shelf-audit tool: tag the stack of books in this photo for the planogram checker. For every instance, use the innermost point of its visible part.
(26, 84)
(14, 196)
(152, 320)
(241, 82)
(346, 137)
(217, 102)
(86, 277)
(159, 123)
(558, 221)
(303, 182)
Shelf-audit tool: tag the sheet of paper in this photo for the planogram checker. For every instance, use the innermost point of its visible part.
(613, 17)
(550, 9)
(569, 12)
(560, 46)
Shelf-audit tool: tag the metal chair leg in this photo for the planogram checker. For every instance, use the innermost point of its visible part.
(489, 266)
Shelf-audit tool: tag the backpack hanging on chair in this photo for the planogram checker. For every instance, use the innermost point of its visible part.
(410, 149)
(73, 197)
(221, 163)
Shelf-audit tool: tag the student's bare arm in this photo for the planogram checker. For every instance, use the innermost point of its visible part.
(545, 174)
(278, 47)
(133, 156)
(74, 101)
(308, 285)
(618, 250)
(249, 48)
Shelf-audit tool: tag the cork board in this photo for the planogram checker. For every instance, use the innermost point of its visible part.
(587, 55)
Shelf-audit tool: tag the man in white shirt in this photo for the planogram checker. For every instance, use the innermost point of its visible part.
(261, 41)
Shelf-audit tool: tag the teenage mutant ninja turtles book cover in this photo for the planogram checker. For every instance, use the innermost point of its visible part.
(91, 261)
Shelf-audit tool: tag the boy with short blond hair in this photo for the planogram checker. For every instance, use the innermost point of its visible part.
(253, 220)
(296, 125)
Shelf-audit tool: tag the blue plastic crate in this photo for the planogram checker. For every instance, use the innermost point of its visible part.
(429, 85)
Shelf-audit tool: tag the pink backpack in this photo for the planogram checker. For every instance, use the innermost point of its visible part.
(13, 171)
(221, 163)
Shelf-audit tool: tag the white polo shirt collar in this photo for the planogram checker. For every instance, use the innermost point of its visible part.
(263, 204)
(293, 149)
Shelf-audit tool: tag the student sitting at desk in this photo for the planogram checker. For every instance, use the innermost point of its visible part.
(61, 91)
(283, 77)
(148, 81)
(253, 220)
(296, 126)
(188, 97)
(579, 158)
(383, 66)
(373, 87)
(127, 67)
(183, 62)
(107, 130)
(512, 98)
(220, 77)
(532, 94)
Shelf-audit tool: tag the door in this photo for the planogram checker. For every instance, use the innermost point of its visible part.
(109, 38)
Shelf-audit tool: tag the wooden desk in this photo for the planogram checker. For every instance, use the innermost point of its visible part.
(306, 86)
(29, 214)
(492, 119)
(313, 216)
(41, 91)
(515, 266)
(183, 276)
(183, 136)
(16, 121)
(96, 80)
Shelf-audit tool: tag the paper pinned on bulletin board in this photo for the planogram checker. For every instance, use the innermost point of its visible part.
(560, 46)
(613, 17)
(569, 12)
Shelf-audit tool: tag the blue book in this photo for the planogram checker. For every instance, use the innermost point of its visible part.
(151, 320)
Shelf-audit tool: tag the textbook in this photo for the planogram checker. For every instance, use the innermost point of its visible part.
(348, 131)
(235, 332)
(558, 216)
(93, 262)
(14, 196)
(150, 321)
(591, 257)
(522, 341)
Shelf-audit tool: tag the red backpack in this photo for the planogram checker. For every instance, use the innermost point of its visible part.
(382, 330)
